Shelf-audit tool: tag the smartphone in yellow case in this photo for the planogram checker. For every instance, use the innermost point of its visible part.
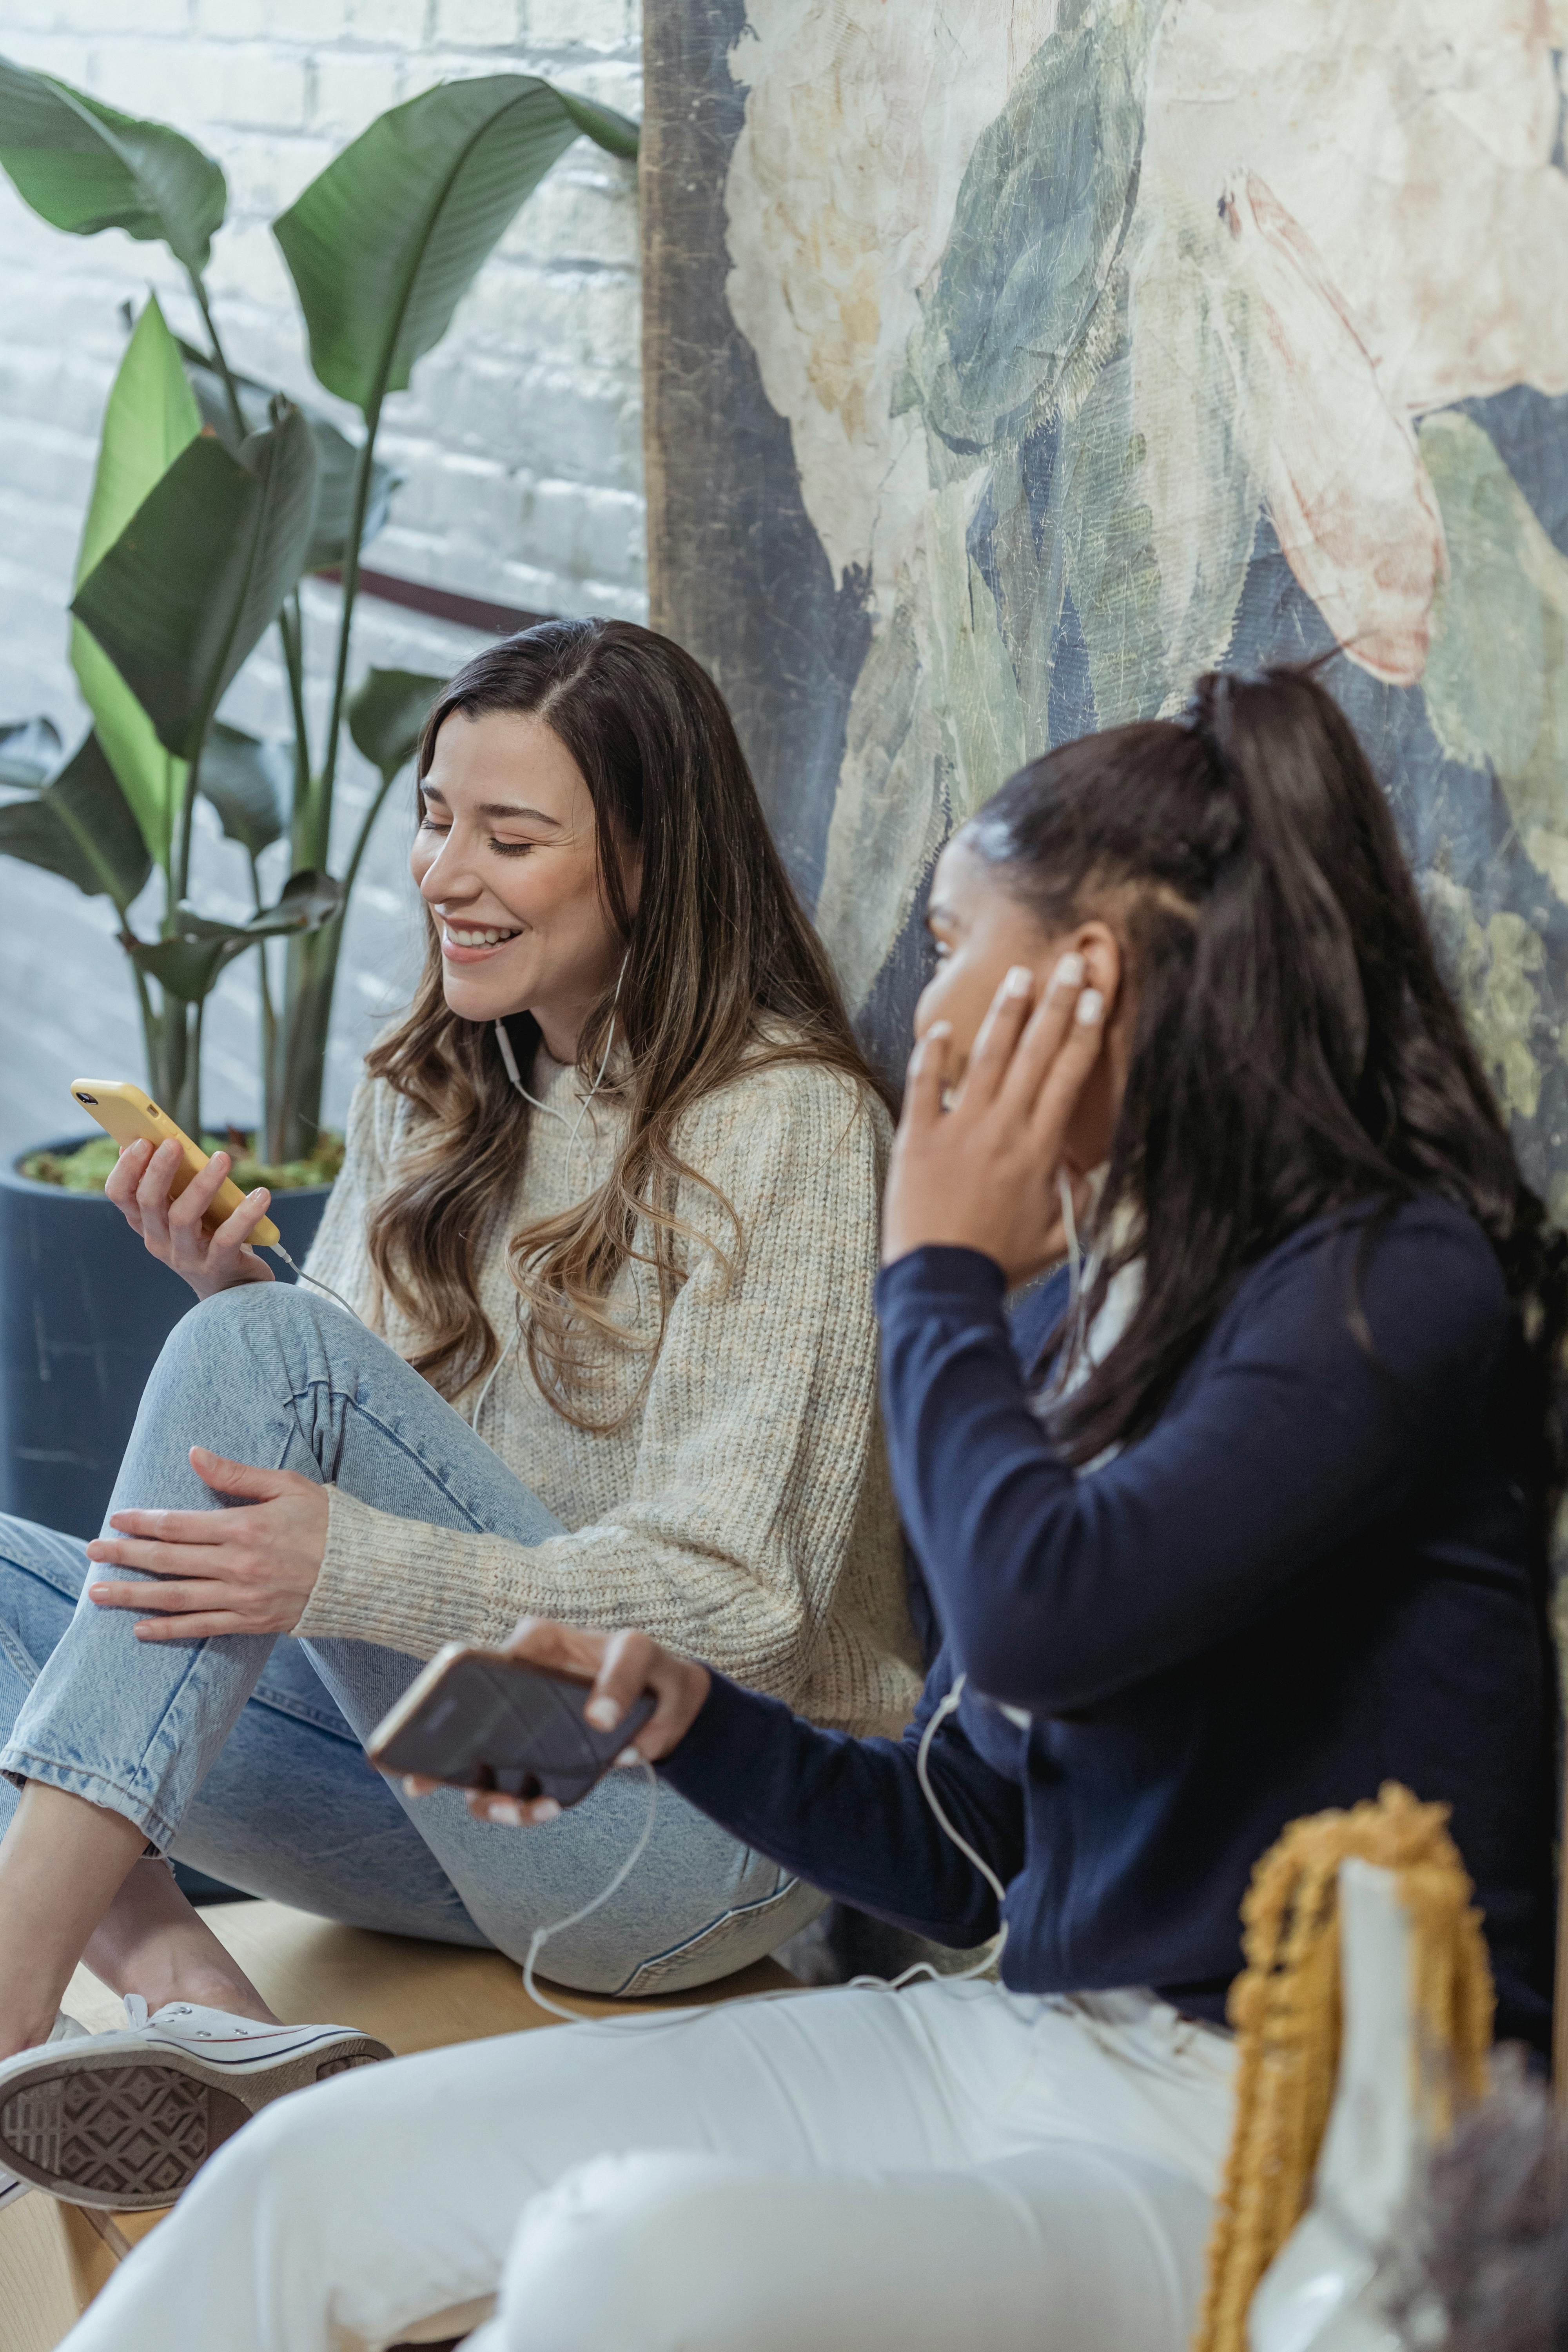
(129, 1115)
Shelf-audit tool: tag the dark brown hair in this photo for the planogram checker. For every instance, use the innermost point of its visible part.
(1295, 1050)
(722, 972)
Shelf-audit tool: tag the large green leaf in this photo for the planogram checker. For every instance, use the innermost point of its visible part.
(81, 826)
(30, 751)
(84, 167)
(247, 782)
(388, 714)
(383, 245)
(185, 969)
(150, 418)
(201, 570)
(336, 458)
(188, 965)
(308, 899)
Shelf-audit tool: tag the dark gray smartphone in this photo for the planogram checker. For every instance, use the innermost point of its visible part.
(478, 1719)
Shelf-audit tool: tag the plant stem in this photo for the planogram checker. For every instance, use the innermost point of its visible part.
(292, 640)
(180, 880)
(350, 592)
(294, 1086)
(291, 629)
(191, 1086)
(169, 1079)
(362, 840)
(152, 1043)
(230, 385)
(300, 1067)
(269, 1017)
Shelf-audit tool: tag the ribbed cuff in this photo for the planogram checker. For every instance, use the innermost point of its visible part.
(376, 1584)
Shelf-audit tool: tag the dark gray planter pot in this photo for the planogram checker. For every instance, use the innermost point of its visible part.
(84, 1310)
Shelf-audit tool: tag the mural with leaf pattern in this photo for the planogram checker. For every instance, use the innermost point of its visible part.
(1113, 340)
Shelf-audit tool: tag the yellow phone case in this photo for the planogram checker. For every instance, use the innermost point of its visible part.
(129, 1115)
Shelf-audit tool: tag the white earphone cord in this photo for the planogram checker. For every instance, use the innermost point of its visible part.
(277, 1250)
(542, 1936)
(987, 1960)
(509, 1061)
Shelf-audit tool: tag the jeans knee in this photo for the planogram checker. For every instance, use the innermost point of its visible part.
(646, 2250)
(250, 1307)
(269, 1324)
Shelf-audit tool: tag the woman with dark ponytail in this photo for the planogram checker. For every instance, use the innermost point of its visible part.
(1240, 1514)
(1294, 1051)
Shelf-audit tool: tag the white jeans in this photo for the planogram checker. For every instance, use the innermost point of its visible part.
(947, 2165)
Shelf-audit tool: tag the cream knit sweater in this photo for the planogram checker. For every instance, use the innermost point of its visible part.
(743, 1512)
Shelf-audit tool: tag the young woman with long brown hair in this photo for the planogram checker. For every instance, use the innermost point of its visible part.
(609, 1210)
(1252, 1522)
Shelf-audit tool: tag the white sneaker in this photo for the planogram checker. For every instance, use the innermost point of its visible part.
(125, 2120)
(65, 2029)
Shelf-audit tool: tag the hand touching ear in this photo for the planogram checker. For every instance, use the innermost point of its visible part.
(977, 1170)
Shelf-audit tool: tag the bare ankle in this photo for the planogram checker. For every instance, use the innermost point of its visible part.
(25, 2029)
(204, 1988)
(62, 1863)
(152, 1943)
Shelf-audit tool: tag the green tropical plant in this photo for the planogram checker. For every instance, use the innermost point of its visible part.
(214, 497)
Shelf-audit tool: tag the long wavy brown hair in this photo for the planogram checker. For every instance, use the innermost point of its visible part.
(722, 972)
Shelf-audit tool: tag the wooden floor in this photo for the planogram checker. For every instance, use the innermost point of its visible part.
(411, 1995)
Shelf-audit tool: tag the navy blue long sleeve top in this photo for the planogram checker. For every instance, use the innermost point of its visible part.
(1318, 1571)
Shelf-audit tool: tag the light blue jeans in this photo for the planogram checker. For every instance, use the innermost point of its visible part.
(242, 1754)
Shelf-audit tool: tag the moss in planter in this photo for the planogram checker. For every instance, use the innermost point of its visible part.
(86, 1169)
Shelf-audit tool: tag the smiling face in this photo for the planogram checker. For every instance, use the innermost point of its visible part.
(506, 858)
(980, 929)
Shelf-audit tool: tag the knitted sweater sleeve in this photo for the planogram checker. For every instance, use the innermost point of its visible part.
(759, 1427)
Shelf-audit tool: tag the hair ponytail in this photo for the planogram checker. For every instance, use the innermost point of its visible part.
(1296, 1051)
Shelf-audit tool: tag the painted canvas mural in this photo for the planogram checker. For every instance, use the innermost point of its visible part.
(1013, 362)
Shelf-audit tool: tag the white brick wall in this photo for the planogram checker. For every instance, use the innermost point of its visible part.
(519, 442)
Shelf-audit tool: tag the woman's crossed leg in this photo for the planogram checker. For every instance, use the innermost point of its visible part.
(143, 1731)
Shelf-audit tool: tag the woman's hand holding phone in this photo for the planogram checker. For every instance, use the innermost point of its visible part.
(139, 1187)
(620, 1666)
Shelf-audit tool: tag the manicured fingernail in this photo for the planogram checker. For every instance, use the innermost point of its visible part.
(1091, 1005)
(508, 1811)
(545, 1810)
(1020, 981)
(259, 1194)
(603, 1714)
(1068, 972)
(97, 1591)
(628, 1756)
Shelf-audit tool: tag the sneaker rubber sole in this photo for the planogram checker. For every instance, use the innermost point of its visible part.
(124, 2132)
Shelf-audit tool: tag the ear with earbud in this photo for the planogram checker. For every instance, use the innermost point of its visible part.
(1102, 952)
